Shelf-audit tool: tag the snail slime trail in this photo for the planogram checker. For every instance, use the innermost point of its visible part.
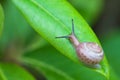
(89, 53)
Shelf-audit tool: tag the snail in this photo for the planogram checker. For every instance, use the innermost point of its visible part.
(89, 53)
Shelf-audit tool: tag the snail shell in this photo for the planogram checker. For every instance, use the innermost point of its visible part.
(89, 53)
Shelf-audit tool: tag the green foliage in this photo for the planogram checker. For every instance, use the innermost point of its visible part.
(41, 14)
(111, 45)
(61, 65)
(1, 19)
(90, 10)
(12, 72)
(55, 59)
(16, 29)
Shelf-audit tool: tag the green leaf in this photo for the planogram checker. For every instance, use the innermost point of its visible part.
(49, 71)
(49, 61)
(113, 75)
(1, 19)
(90, 10)
(51, 19)
(2, 77)
(15, 26)
(111, 43)
(10, 71)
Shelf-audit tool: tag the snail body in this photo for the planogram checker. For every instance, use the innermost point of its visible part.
(89, 53)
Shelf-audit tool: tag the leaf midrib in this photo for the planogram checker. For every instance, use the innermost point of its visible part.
(50, 14)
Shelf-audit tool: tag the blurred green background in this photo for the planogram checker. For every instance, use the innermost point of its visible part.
(102, 15)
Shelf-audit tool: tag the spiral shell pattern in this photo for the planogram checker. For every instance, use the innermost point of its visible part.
(89, 53)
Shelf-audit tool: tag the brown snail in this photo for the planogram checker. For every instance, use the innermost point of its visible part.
(89, 53)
